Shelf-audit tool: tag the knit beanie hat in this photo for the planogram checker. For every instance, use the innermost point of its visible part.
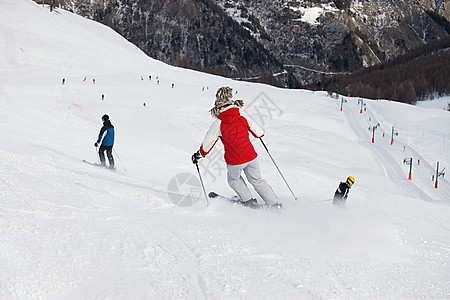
(223, 98)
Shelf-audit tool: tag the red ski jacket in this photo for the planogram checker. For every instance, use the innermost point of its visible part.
(232, 127)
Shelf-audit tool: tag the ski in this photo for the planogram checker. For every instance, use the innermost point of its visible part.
(91, 163)
(98, 165)
(236, 200)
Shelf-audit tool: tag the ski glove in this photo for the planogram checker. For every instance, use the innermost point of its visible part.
(96, 144)
(195, 157)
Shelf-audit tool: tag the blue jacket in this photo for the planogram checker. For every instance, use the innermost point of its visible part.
(108, 140)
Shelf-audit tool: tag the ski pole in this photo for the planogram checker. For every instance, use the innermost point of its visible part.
(278, 168)
(97, 154)
(203, 186)
(115, 152)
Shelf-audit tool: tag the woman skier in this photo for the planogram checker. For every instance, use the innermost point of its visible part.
(232, 127)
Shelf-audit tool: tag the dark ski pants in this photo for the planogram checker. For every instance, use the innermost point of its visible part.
(101, 154)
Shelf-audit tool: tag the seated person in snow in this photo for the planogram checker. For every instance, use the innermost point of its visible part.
(341, 194)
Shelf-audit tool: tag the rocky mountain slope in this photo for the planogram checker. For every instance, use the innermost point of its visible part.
(285, 43)
(339, 36)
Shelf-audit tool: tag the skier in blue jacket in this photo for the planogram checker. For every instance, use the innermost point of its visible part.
(107, 143)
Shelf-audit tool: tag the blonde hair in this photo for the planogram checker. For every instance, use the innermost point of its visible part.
(223, 98)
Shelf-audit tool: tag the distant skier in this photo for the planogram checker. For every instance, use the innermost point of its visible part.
(341, 194)
(232, 127)
(107, 143)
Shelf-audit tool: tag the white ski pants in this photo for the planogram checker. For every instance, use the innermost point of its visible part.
(253, 173)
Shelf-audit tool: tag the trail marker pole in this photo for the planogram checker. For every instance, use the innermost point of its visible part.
(409, 161)
(392, 136)
(373, 132)
(442, 173)
(342, 102)
(361, 101)
(348, 89)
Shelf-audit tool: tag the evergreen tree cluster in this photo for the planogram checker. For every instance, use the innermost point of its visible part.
(418, 75)
(440, 20)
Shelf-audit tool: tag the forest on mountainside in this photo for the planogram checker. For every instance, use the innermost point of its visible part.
(420, 74)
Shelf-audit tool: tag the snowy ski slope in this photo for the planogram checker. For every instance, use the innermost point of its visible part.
(69, 230)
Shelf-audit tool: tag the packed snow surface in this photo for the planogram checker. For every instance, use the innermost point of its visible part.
(70, 230)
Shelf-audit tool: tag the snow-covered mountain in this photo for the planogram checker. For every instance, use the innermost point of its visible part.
(69, 230)
(319, 37)
(285, 43)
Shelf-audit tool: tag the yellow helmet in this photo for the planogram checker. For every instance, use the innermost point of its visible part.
(350, 180)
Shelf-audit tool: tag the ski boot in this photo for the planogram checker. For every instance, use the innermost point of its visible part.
(250, 203)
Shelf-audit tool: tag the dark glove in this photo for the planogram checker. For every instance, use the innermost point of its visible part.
(96, 144)
(195, 157)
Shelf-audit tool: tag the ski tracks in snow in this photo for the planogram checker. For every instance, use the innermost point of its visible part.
(151, 261)
(390, 160)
